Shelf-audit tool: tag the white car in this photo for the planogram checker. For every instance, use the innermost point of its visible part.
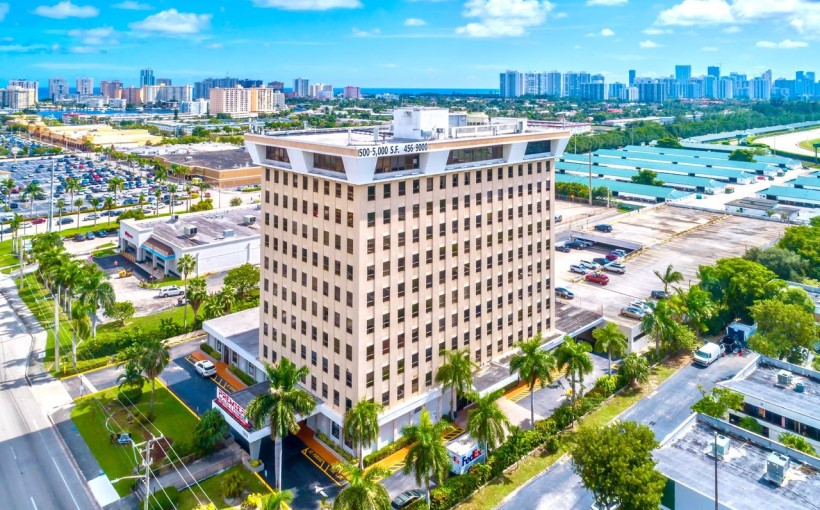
(642, 305)
(615, 267)
(205, 368)
(171, 291)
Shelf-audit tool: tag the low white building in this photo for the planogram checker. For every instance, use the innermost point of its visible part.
(218, 240)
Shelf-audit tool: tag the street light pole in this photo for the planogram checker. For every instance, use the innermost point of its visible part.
(715, 454)
(51, 201)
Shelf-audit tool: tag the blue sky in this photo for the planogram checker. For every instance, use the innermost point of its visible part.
(401, 43)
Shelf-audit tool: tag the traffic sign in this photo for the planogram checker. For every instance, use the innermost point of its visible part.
(817, 145)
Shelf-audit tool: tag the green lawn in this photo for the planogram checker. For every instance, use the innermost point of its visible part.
(172, 419)
(809, 144)
(7, 258)
(212, 487)
(491, 495)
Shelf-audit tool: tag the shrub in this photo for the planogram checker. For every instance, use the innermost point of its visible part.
(388, 450)
(335, 446)
(254, 463)
(233, 485)
(245, 378)
(236, 201)
(209, 431)
(169, 328)
(750, 424)
(207, 349)
(798, 443)
(605, 386)
(166, 499)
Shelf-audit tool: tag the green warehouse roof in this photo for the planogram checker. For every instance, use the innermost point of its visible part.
(618, 187)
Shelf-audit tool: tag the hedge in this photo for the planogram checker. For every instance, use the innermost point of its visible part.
(385, 452)
(207, 349)
(245, 378)
(335, 447)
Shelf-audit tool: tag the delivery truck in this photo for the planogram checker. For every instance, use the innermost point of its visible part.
(464, 453)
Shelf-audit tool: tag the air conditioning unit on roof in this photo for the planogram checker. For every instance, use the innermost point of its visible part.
(189, 231)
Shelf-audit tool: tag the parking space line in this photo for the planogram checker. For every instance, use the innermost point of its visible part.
(324, 466)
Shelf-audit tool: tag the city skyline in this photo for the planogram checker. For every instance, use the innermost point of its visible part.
(404, 43)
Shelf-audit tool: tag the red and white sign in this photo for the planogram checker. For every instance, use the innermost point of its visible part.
(228, 404)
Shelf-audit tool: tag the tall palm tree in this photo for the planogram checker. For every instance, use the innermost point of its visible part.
(611, 340)
(172, 193)
(31, 191)
(95, 203)
(226, 298)
(60, 206)
(7, 184)
(533, 364)
(81, 328)
(186, 265)
(363, 490)
(14, 225)
(669, 276)
(573, 357)
(456, 373)
(157, 195)
(427, 457)
(188, 196)
(659, 324)
(131, 377)
(361, 426)
(202, 187)
(116, 185)
(196, 292)
(486, 422)
(72, 185)
(109, 204)
(276, 500)
(153, 356)
(95, 292)
(694, 307)
(281, 405)
(78, 204)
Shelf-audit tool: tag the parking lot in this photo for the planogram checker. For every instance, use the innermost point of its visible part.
(684, 238)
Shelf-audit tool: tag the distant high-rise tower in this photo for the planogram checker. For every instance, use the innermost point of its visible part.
(713, 71)
(632, 75)
(57, 88)
(166, 82)
(85, 86)
(511, 84)
(147, 77)
(300, 87)
(683, 73)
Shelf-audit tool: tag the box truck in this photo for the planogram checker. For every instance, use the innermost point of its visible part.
(464, 453)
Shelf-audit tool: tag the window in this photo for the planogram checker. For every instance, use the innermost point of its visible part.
(461, 156)
(397, 164)
(537, 147)
(328, 162)
(371, 193)
(277, 154)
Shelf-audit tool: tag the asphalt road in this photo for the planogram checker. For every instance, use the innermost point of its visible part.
(662, 411)
(36, 472)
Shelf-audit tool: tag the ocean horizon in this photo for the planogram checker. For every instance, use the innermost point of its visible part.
(43, 91)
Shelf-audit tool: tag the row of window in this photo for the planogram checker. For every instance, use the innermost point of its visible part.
(288, 177)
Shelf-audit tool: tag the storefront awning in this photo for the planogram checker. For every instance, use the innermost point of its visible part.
(158, 248)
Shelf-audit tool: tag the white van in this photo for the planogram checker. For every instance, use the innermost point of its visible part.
(707, 354)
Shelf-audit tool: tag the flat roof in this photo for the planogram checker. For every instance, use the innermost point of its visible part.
(574, 320)
(210, 225)
(625, 187)
(804, 180)
(660, 167)
(668, 179)
(761, 385)
(740, 473)
(791, 193)
(212, 160)
(241, 328)
(753, 203)
(683, 160)
(706, 155)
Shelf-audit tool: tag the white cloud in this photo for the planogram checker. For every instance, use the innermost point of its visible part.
(66, 9)
(732, 30)
(709, 48)
(697, 12)
(308, 5)
(173, 22)
(22, 48)
(785, 44)
(649, 44)
(414, 22)
(802, 15)
(607, 2)
(560, 15)
(504, 18)
(607, 32)
(656, 31)
(215, 46)
(130, 5)
(4, 9)
(366, 33)
(83, 49)
(94, 36)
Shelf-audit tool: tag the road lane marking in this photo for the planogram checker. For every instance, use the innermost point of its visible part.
(60, 472)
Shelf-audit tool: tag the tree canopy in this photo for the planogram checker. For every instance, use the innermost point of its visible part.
(718, 402)
(786, 264)
(648, 177)
(781, 327)
(737, 283)
(243, 279)
(742, 155)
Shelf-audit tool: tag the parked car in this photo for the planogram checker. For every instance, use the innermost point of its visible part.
(586, 242)
(563, 248)
(102, 233)
(66, 221)
(564, 293)
(619, 252)
(603, 227)
(575, 268)
(659, 294)
(173, 290)
(642, 305)
(406, 498)
(592, 266)
(612, 256)
(78, 237)
(38, 221)
(575, 245)
(205, 368)
(599, 278)
(708, 354)
(92, 216)
(601, 261)
(615, 267)
(633, 312)
(90, 235)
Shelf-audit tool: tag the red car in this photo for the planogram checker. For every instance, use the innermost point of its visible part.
(599, 278)
(38, 221)
(612, 256)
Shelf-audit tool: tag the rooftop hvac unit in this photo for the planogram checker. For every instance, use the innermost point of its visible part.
(720, 447)
(189, 231)
(784, 378)
(228, 232)
(777, 467)
(249, 219)
(174, 217)
(800, 387)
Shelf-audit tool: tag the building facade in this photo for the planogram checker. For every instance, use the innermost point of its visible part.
(147, 77)
(240, 101)
(352, 92)
(57, 88)
(379, 255)
(110, 89)
(18, 98)
(301, 87)
(85, 86)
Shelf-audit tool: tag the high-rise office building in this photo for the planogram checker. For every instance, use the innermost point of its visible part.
(511, 84)
(110, 89)
(26, 84)
(202, 88)
(352, 92)
(277, 85)
(632, 75)
(683, 73)
(132, 95)
(551, 84)
(18, 98)
(378, 257)
(85, 86)
(165, 82)
(726, 88)
(301, 87)
(594, 91)
(174, 93)
(713, 71)
(147, 77)
(760, 88)
(238, 100)
(57, 88)
(573, 82)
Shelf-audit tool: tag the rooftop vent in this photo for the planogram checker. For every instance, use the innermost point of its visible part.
(784, 378)
(800, 387)
(777, 468)
(228, 232)
(174, 217)
(248, 219)
(720, 447)
(189, 231)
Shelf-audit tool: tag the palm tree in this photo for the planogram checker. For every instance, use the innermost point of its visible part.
(634, 369)
(95, 203)
(78, 204)
(281, 405)
(95, 292)
(157, 195)
(427, 457)
(7, 184)
(60, 206)
(141, 199)
(486, 422)
(131, 377)
(659, 324)
(276, 500)
(188, 196)
(153, 356)
(694, 308)
(669, 276)
(116, 184)
(14, 225)
(363, 491)
(202, 187)
(196, 292)
(573, 357)
(31, 191)
(81, 328)
(611, 340)
(361, 426)
(172, 192)
(109, 204)
(72, 185)
(186, 265)
(226, 298)
(533, 364)
(456, 373)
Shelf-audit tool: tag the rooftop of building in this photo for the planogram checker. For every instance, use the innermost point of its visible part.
(627, 173)
(241, 328)
(661, 167)
(211, 227)
(761, 204)
(686, 458)
(213, 160)
(704, 155)
(761, 384)
(804, 180)
(629, 188)
(184, 149)
(680, 159)
(791, 192)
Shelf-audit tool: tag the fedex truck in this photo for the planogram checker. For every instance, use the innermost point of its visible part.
(464, 453)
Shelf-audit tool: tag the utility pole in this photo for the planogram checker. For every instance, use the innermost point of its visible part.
(590, 176)
(51, 201)
(146, 465)
(715, 454)
(20, 244)
(57, 330)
